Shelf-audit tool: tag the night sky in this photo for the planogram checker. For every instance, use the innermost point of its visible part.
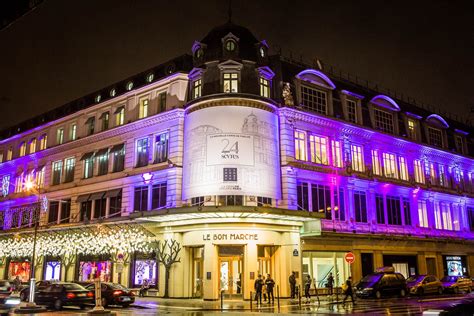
(63, 50)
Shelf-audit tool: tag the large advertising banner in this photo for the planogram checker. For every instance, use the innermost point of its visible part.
(231, 150)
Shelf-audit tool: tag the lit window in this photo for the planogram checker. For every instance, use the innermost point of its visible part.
(32, 145)
(103, 161)
(230, 45)
(314, 100)
(60, 136)
(9, 154)
(376, 166)
(459, 140)
(129, 86)
(150, 77)
(40, 177)
(105, 121)
(422, 213)
(262, 52)
(113, 92)
(142, 152)
(443, 181)
(98, 98)
(1, 157)
(435, 137)
(89, 167)
(432, 173)
(119, 116)
(231, 82)
(161, 148)
(336, 152)
(264, 87)
(419, 171)
(300, 145)
(43, 142)
(351, 107)
(143, 112)
(197, 89)
(90, 123)
(118, 152)
(318, 149)
(73, 132)
(412, 129)
(456, 219)
(19, 183)
(357, 158)
(22, 149)
(402, 164)
(446, 216)
(383, 121)
(390, 165)
(57, 172)
(69, 169)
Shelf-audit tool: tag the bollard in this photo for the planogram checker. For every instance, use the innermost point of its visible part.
(222, 300)
(278, 298)
(299, 296)
(251, 300)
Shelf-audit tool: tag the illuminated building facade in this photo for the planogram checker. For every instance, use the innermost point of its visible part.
(254, 163)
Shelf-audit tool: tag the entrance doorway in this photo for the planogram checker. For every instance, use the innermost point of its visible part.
(198, 255)
(231, 270)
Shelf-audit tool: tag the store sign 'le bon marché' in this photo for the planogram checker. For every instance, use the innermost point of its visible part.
(230, 237)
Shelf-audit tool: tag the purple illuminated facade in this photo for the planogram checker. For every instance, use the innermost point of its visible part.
(247, 145)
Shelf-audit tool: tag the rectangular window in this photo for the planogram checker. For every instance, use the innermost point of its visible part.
(1, 157)
(433, 178)
(318, 149)
(360, 206)
(339, 206)
(383, 121)
(115, 205)
(103, 163)
(158, 197)
(119, 157)
(32, 146)
(446, 216)
(120, 116)
(357, 158)
(88, 168)
(9, 154)
(351, 107)
(100, 207)
(60, 136)
(390, 165)
(336, 152)
(470, 215)
(456, 220)
(402, 164)
(161, 147)
(406, 211)
(90, 125)
(459, 142)
(321, 199)
(57, 172)
(19, 183)
(197, 201)
(69, 169)
(379, 208)
(143, 111)
(422, 213)
(231, 82)
(53, 212)
(73, 132)
(435, 137)
(162, 98)
(86, 210)
(40, 177)
(300, 145)
(302, 196)
(105, 121)
(394, 215)
(141, 198)
(264, 87)
(411, 129)
(314, 100)
(43, 142)
(229, 200)
(376, 166)
(197, 89)
(264, 201)
(22, 149)
(419, 171)
(437, 216)
(142, 152)
(65, 211)
(443, 181)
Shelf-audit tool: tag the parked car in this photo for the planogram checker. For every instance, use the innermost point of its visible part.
(40, 285)
(456, 284)
(114, 294)
(62, 294)
(424, 284)
(382, 283)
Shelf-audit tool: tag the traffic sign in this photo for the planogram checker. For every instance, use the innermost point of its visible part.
(349, 257)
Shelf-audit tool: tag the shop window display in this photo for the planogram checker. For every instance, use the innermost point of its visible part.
(52, 271)
(89, 270)
(145, 269)
(20, 269)
(318, 265)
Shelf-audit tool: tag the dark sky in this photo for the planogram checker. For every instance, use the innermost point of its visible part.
(63, 50)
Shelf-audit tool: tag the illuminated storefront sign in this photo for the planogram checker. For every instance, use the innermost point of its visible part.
(231, 150)
(454, 265)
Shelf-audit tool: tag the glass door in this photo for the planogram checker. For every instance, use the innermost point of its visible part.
(231, 270)
(197, 271)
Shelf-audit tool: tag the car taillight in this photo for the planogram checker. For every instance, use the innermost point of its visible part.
(118, 292)
(70, 295)
(90, 294)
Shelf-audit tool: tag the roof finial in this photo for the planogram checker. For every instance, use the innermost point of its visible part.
(230, 11)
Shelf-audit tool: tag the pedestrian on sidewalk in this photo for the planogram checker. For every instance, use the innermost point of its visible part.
(307, 287)
(330, 283)
(144, 288)
(292, 280)
(269, 283)
(348, 291)
(258, 286)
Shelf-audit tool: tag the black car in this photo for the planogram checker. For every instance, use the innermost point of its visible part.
(62, 294)
(114, 294)
(40, 285)
(382, 284)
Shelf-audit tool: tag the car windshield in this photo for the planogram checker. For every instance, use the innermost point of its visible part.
(118, 287)
(371, 278)
(73, 287)
(415, 278)
(449, 279)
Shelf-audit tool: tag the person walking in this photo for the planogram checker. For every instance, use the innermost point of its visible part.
(258, 286)
(292, 280)
(330, 283)
(348, 291)
(17, 283)
(307, 287)
(144, 288)
(270, 284)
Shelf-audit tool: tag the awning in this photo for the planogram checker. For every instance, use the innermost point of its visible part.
(119, 109)
(83, 198)
(103, 115)
(116, 148)
(90, 120)
(88, 155)
(102, 152)
(113, 193)
(97, 195)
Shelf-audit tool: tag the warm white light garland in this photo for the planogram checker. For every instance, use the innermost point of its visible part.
(109, 240)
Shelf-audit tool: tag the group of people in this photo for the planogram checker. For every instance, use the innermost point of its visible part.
(264, 287)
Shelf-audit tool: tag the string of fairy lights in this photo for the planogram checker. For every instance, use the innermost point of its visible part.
(89, 242)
